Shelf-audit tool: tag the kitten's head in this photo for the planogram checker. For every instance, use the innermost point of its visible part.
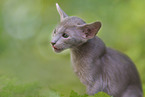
(72, 32)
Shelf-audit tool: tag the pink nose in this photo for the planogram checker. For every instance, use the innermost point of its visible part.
(53, 43)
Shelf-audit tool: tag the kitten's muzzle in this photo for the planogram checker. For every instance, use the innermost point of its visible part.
(55, 48)
(53, 43)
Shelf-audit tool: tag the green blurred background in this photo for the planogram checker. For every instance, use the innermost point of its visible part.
(28, 65)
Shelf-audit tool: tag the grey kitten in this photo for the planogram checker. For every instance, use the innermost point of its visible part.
(98, 67)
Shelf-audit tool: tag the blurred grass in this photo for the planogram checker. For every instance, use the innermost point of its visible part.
(10, 88)
(25, 33)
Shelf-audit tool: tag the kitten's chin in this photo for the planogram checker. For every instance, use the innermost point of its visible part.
(57, 50)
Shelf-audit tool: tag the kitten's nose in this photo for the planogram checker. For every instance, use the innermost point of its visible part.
(53, 43)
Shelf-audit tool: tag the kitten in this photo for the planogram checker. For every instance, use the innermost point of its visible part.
(98, 67)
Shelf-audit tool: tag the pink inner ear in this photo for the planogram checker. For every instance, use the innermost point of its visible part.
(89, 33)
(90, 30)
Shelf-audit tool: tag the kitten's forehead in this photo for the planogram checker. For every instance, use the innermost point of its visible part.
(60, 29)
(71, 21)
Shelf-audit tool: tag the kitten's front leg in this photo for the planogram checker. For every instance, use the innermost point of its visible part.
(91, 90)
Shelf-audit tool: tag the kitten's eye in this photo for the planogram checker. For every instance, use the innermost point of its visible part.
(65, 35)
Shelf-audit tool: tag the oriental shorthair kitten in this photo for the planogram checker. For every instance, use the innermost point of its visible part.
(98, 67)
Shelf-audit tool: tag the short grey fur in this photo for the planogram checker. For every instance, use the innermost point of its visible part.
(98, 67)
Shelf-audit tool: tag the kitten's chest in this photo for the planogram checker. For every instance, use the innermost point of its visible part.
(82, 68)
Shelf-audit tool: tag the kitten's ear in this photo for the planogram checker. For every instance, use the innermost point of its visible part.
(90, 30)
(61, 12)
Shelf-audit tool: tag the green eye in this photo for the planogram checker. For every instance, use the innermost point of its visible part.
(65, 35)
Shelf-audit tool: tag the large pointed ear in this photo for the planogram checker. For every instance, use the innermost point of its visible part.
(89, 30)
(61, 12)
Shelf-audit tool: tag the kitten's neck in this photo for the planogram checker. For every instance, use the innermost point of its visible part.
(83, 57)
(94, 47)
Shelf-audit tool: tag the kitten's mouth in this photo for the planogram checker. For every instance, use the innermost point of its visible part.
(56, 49)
